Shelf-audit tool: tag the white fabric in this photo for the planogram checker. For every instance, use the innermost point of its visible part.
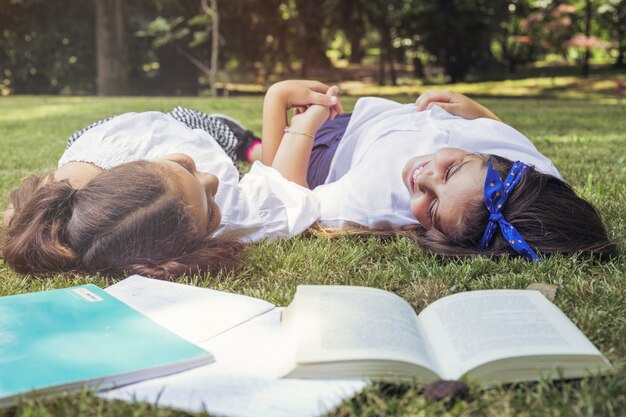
(364, 185)
(263, 205)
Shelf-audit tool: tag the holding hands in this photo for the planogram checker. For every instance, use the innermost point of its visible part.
(308, 119)
(304, 96)
(300, 94)
(454, 103)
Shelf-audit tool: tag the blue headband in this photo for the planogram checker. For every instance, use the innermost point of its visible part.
(496, 194)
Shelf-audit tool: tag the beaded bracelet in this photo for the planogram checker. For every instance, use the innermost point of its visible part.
(287, 130)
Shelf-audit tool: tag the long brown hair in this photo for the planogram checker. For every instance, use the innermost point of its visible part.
(546, 211)
(125, 220)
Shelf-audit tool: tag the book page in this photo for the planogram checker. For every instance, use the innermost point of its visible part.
(194, 313)
(335, 323)
(243, 382)
(481, 326)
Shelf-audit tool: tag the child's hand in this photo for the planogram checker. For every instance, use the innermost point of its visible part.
(454, 103)
(309, 119)
(303, 93)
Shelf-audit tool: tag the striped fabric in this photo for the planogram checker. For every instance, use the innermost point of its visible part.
(193, 119)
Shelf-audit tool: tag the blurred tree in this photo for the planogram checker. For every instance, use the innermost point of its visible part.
(585, 27)
(160, 70)
(587, 56)
(310, 40)
(40, 53)
(212, 12)
(612, 14)
(535, 29)
(386, 17)
(348, 16)
(457, 32)
(257, 35)
(514, 46)
(266, 39)
(111, 48)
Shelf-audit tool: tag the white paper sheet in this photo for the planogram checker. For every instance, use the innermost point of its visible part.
(194, 313)
(242, 382)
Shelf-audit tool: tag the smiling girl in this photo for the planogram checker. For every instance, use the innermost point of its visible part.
(439, 171)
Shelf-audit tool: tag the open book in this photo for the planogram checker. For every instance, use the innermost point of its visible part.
(492, 336)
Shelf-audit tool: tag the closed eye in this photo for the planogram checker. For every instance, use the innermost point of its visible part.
(452, 169)
(431, 209)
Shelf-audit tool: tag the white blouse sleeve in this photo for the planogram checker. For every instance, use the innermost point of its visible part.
(287, 208)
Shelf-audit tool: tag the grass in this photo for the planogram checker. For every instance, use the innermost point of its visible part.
(584, 138)
(599, 87)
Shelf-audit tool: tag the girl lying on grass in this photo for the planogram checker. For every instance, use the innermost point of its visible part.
(455, 159)
(155, 194)
(160, 215)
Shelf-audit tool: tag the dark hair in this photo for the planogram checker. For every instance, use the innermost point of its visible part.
(123, 221)
(544, 210)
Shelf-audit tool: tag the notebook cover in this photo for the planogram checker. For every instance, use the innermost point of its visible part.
(64, 338)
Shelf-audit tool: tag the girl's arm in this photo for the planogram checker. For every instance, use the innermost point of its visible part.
(292, 156)
(283, 96)
(454, 103)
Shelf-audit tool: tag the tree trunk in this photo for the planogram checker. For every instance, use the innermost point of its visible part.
(381, 69)
(392, 70)
(215, 33)
(620, 62)
(312, 44)
(111, 48)
(388, 48)
(215, 46)
(356, 51)
(587, 56)
(386, 51)
(355, 36)
(418, 68)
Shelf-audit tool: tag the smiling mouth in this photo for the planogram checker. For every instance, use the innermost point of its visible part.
(415, 173)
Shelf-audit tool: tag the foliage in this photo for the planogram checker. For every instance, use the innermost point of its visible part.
(457, 32)
(583, 138)
(41, 53)
(612, 15)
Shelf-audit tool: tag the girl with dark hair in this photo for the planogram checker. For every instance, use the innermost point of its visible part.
(157, 194)
(461, 198)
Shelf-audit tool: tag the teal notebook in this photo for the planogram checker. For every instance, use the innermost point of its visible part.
(63, 339)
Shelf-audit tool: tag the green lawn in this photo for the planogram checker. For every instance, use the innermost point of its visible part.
(584, 138)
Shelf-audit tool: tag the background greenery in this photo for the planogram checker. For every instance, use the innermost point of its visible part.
(166, 44)
(584, 138)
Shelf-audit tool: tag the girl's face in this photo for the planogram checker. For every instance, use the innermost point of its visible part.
(197, 190)
(441, 185)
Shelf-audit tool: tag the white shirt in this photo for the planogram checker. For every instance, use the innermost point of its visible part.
(364, 183)
(262, 205)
